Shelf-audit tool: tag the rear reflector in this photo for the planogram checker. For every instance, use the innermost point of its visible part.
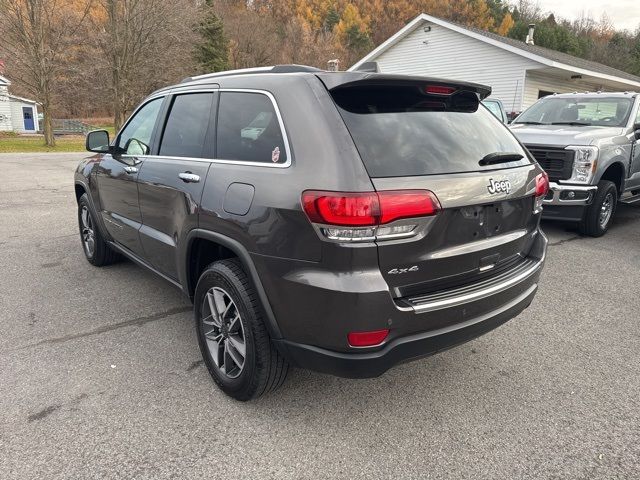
(542, 184)
(367, 339)
(439, 90)
(368, 208)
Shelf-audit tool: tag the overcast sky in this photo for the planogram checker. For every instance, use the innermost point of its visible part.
(623, 13)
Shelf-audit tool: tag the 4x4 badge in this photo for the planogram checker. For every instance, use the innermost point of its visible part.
(395, 271)
(497, 187)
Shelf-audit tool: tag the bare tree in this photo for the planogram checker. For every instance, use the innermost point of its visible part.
(143, 45)
(36, 34)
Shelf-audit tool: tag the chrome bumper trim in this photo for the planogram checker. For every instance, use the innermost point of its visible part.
(444, 301)
(557, 189)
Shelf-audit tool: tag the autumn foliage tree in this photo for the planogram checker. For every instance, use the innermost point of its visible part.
(36, 36)
(103, 56)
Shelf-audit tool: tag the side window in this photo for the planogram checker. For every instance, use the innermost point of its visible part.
(248, 129)
(136, 136)
(186, 128)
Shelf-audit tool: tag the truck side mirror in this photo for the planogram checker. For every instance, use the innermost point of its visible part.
(98, 141)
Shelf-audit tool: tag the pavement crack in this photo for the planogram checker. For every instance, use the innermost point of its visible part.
(195, 365)
(566, 240)
(43, 413)
(139, 321)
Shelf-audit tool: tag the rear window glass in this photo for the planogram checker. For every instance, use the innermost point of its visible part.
(399, 131)
(248, 129)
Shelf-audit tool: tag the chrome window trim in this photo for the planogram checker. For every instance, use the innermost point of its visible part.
(186, 90)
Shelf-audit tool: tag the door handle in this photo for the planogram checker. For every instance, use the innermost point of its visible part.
(131, 169)
(189, 177)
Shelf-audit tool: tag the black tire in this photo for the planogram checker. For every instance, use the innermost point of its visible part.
(264, 369)
(101, 254)
(594, 222)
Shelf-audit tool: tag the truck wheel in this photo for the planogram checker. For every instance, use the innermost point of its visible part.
(95, 248)
(233, 339)
(599, 214)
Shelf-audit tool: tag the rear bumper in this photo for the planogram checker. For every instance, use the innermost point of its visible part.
(373, 364)
(476, 310)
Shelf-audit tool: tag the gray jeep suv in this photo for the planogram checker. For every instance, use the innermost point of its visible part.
(342, 222)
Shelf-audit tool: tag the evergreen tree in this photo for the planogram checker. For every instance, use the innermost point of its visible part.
(211, 53)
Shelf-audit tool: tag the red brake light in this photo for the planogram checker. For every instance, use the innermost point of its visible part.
(367, 339)
(349, 209)
(542, 184)
(439, 90)
(368, 208)
(395, 205)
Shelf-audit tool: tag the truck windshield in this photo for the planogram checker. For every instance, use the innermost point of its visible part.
(588, 111)
(399, 131)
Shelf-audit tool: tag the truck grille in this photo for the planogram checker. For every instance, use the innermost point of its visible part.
(556, 161)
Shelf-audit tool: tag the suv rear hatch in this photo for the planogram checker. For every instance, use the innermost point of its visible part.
(422, 136)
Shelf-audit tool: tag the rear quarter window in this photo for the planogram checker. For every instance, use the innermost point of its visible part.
(400, 131)
(248, 129)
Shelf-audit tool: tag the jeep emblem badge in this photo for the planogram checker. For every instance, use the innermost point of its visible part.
(497, 187)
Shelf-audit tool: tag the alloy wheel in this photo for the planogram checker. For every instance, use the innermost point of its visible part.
(224, 332)
(606, 210)
(87, 231)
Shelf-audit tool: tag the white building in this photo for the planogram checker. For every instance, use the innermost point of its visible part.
(17, 114)
(518, 72)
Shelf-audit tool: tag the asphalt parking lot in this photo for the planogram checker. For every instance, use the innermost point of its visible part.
(100, 373)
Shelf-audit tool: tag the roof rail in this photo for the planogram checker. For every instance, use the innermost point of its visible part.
(245, 71)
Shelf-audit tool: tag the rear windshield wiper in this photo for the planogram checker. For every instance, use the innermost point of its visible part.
(500, 157)
(584, 124)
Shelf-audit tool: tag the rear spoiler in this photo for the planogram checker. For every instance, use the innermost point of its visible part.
(339, 80)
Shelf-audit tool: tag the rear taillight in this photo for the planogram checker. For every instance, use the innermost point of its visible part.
(367, 339)
(366, 216)
(542, 184)
(542, 188)
(348, 209)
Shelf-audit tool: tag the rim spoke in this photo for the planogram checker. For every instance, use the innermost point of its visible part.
(85, 214)
(215, 349)
(238, 345)
(220, 305)
(215, 316)
(233, 355)
(235, 325)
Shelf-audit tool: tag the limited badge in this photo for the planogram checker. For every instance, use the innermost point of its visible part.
(275, 155)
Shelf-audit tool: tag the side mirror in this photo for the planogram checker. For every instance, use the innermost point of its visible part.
(98, 141)
(636, 130)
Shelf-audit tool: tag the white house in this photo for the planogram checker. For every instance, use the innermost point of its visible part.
(16, 113)
(518, 72)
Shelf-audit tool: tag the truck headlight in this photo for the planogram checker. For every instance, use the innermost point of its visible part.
(584, 164)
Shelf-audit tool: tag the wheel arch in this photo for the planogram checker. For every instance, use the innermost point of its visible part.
(226, 245)
(615, 172)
